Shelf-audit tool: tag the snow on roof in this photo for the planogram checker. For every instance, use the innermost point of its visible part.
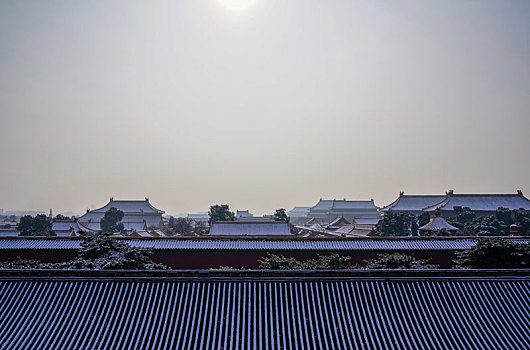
(482, 202)
(339, 221)
(242, 228)
(202, 311)
(406, 202)
(343, 204)
(130, 206)
(437, 224)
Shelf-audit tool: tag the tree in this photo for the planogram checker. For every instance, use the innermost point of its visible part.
(495, 253)
(21, 264)
(111, 221)
(324, 262)
(62, 217)
(396, 224)
(280, 215)
(183, 226)
(220, 213)
(99, 251)
(424, 218)
(463, 217)
(398, 261)
(35, 226)
(171, 222)
(200, 228)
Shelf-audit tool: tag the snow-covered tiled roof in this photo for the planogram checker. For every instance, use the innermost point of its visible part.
(482, 202)
(130, 206)
(309, 245)
(437, 224)
(242, 228)
(248, 311)
(341, 204)
(407, 202)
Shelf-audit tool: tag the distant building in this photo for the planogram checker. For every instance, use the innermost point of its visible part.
(413, 204)
(250, 228)
(67, 228)
(337, 223)
(481, 204)
(298, 215)
(352, 210)
(200, 216)
(243, 214)
(138, 215)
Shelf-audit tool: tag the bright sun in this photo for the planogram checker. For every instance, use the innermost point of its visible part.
(236, 5)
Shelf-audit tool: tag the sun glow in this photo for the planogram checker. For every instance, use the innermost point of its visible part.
(236, 5)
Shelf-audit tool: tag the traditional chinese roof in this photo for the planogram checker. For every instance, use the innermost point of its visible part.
(130, 206)
(135, 212)
(312, 221)
(338, 221)
(482, 202)
(376, 244)
(438, 223)
(341, 204)
(250, 228)
(245, 310)
(408, 202)
(299, 211)
(66, 228)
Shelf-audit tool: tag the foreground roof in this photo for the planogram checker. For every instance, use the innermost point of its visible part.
(279, 245)
(249, 310)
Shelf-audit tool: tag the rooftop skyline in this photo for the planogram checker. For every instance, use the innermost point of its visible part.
(273, 104)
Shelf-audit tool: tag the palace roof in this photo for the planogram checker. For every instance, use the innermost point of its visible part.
(482, 202)
(407, 202)
(343, 204)
(375, 244)
(438, 224)
(130, 206)
(246, 309)
(250, 228)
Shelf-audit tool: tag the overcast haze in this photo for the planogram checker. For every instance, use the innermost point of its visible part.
(191, 104)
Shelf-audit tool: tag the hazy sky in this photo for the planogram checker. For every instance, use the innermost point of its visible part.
(190, 103)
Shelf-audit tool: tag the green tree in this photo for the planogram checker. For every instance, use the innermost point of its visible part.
(35, 226)
(424, 218)
(99, 251)
(495, 253)
(324, 262)
(62, 217)
(20, 264)
(220, 213)
(398, 261)
(280, 215)
(396, 224)
(463, 217)
(171, 222)
(111, 221)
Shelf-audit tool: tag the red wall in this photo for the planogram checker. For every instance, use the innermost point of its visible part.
(209, 259)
